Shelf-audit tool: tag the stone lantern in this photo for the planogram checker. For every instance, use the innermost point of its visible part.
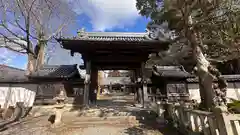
(59, 107)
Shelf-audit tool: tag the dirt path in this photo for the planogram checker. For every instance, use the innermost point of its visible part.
(113, 116)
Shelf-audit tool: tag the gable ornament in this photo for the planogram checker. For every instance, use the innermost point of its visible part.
(158, 32)
(82, 33)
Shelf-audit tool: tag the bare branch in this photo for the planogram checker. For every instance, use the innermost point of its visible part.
(57, 31)
(34, 19)
(11, 40)
(14, 34)
(12, 49)
(17, 22)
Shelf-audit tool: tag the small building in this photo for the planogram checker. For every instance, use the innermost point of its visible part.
(41, 86)
(170, 83)
(52, 77)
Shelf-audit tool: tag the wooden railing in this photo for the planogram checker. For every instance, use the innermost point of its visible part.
(191, 122)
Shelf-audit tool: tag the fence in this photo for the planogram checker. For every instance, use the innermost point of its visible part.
(191, 122)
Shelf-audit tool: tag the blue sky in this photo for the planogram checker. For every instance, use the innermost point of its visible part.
(93, 15)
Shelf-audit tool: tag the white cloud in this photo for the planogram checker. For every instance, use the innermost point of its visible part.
(9, 57)
(6, 56)
(107, 14)
(60, 56)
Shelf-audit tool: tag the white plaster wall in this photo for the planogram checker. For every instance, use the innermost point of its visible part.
(3, 95)
(193, 89)
(233, 91)
(17, 93)
(237, 90)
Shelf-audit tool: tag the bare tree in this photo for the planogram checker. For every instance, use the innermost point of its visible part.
(31, 24)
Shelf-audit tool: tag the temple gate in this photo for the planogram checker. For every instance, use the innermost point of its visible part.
(113, 51)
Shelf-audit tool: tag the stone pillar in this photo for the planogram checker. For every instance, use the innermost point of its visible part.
(87, 82)
(222, 120)
(59, 107)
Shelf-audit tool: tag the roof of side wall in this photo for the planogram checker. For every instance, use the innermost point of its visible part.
(11, 74)
(57, 72)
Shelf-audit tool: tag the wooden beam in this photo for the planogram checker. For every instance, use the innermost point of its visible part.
(116, 59)
(117, 65)
(93, 46)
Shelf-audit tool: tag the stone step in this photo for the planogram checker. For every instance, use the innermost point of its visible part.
(95, 112)
(113, 118)
(101, 122)
(115, 121)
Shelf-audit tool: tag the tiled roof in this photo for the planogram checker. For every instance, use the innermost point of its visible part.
(111, 36)
(171, 71)
(56, 71)
(229, 78)
(11, 74)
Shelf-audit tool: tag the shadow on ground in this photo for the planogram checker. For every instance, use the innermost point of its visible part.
(115, 105)
(125, 105)
(134, 131)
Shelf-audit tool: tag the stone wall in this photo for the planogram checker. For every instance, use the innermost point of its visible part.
(233, 91)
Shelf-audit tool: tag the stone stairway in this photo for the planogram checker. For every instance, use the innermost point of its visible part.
(116, 116)
(101, 116)
(124, 121)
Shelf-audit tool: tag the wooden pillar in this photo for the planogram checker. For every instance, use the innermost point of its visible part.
(144, 83)
(87, 82)
(135, 89)
(110, 87)
(94, 84)
(100, 77)
(139, 87)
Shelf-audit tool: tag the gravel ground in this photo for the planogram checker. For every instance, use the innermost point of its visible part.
(41, 126)
(34, 128)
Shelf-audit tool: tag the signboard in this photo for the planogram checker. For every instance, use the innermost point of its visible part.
(78, 91)
(176, 88)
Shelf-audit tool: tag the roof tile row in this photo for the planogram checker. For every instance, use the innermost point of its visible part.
(56, 71)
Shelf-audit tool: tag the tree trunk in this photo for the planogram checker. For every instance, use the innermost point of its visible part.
(205, 78)
(31, 64)
(40, 55)
(202, 66)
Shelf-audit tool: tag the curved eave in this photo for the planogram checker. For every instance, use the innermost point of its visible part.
(84, 45)
(171, 72)
(175, 76)
(137, 41)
